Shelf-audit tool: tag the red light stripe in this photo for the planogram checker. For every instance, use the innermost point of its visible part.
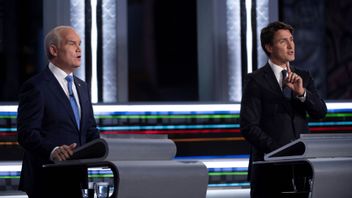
(317, 129)
(8, 134)
(208, 139)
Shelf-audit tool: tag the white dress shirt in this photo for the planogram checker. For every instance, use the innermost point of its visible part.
(60, 76)
(278, 74)
(277, 71)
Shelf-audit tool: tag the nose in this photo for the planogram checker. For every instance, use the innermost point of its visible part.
(78, 49)
(290, 44)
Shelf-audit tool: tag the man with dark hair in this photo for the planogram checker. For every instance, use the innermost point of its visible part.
(275, 104)
(55, 116)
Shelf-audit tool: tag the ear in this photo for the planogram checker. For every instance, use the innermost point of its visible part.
(269, 48)
(53, 50)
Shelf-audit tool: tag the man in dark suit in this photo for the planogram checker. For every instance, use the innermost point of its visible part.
(275, 104)
(55, 116)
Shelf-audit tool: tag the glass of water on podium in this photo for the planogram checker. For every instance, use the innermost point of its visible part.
(102, 189)
(89, 192)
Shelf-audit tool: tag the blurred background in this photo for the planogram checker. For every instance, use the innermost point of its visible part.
(174, 67)
(154, 50)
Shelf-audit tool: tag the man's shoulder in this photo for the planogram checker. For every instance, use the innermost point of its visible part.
(38, 79)
(301, 72)
(261, 70)
(259, 73)
(35, 85)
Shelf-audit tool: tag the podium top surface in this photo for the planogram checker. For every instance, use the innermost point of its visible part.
(315, 146)
(123, 149)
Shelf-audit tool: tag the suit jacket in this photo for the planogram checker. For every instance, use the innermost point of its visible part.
(268, 119)
(46, 120)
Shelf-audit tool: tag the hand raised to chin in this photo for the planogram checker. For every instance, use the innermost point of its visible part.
(294, 82)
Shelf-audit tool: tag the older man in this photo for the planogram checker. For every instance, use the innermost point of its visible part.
(55, 116)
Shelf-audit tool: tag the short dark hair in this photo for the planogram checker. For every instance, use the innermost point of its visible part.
(267, 33)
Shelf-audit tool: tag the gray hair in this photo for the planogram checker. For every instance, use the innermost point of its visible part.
(53, 38)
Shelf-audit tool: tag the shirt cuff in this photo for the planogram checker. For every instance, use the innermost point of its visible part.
(52, 152)
(302, 98)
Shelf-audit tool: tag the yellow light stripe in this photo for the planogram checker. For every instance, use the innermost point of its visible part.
(8, 143)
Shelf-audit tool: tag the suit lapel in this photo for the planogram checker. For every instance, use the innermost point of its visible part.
(274, 86)
(57, 90)
(270, 79)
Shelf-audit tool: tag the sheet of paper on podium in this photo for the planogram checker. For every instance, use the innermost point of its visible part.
(94, 151)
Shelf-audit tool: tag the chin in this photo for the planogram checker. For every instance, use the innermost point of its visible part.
(76, 65)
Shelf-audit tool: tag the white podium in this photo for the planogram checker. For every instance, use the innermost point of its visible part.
(324, 160)
(143, 168)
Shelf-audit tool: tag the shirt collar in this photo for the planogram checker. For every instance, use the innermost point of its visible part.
(277, 71)
(276, 68)
(57, 71)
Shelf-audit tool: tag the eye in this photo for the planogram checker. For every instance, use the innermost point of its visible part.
(71, 43)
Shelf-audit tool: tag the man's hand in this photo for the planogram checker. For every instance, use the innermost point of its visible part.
(294, 82)
(63, 152)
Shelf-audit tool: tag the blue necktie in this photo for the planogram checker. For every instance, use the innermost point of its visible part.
(72, 99)
(286, 90)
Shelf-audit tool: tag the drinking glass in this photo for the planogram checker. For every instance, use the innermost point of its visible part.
(102, 189)
(84, 193)
(88, 193)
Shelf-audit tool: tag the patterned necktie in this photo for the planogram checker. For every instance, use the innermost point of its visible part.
(72, 99)
(286, 90)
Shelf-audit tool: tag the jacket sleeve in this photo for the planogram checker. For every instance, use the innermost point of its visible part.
(314, 104)
(29, 121)
(250, 117)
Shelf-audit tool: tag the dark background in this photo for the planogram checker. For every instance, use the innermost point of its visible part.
(163, 46)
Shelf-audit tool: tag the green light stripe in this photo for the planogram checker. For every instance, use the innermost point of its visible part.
(227, 173)
(7, 117)
(339, 115)
(167, 116)
(9, 177)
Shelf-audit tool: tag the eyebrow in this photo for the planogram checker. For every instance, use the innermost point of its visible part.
(285, 38)
(73, 41)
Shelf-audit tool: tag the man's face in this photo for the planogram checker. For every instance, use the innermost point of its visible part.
(68, 56)
(282, 50)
